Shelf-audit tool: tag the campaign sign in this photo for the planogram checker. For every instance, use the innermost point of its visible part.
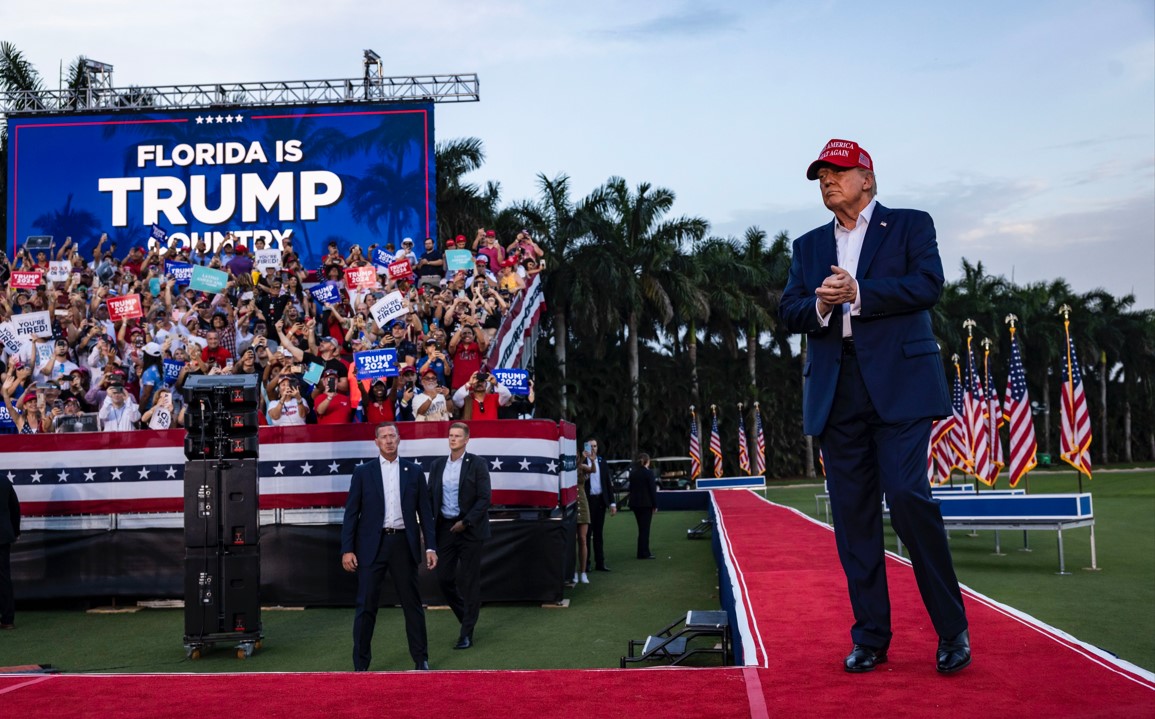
(172, 370)
(515, 380)
(206, 279)
(326, 294)
(389, 307)
(5, 418)
(381, 258)
(44, 352)
(23, 280)
(376, 363)
(291, 172)
(400, 269)
(458, 260)
(179, 271)
(33, 324)
(267, 261)
(158, 234)
(9, 339)
(360, 278)
(59, 270)
(124, 308)
(313, 373)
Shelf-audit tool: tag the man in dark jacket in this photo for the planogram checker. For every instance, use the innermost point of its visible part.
(460, 489)
(9, 531)
(643, 502)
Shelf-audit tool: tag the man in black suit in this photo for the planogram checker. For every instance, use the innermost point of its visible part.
(460, 488)
(387, 514)
(601, 498)
(9, 531)
(643, 502)
(862, 288)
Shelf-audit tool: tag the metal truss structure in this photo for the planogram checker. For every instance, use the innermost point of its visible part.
(98, 95)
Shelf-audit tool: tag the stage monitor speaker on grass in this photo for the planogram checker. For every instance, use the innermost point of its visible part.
(221, 503)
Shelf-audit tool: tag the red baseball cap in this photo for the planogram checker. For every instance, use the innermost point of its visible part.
(840, 153)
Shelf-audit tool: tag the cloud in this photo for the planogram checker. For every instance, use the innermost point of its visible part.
(690, 22)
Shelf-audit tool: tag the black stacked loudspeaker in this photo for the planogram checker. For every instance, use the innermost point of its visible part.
(221, 519)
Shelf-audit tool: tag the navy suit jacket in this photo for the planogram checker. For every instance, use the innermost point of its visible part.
(607, 494)
(473, 493)
(365, 511)
(899, 280)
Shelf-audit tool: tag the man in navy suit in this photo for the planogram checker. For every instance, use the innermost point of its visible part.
(460, 488)
(387, 513)
(862, 288)
(601, 498)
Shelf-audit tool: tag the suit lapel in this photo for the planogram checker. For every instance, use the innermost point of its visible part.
(875, 235)
(827, 251)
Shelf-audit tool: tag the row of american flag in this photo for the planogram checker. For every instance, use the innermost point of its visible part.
(757, 467)
(969, 440)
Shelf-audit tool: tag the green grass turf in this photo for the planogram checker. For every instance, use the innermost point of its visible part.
(1113, 608)
(633, 600)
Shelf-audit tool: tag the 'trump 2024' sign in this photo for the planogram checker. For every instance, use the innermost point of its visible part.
(306, 173)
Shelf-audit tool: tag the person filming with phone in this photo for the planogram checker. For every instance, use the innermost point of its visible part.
(480, 397)
(331, 404)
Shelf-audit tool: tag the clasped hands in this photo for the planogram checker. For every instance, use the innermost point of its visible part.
(839, 288)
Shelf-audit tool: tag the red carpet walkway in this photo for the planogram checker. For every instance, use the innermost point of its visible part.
(794, 603)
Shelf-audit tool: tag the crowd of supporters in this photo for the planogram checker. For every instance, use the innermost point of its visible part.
(94, 373)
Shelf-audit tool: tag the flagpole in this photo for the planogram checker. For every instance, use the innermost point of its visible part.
(969, 324)
(1011, 319)
(1065, 310)
(992, 421)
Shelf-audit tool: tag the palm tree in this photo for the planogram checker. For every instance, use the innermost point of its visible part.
(559, 226)
(630, 224)
(20, 81)
(462, 207)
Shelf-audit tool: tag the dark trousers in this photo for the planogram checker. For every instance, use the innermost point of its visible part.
(459, 574)
(7, 598)
(598, 509)
(644, 517)
(866, 457)
(393, 555)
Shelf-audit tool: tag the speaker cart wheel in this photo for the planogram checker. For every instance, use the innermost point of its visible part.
(192, 651)
(245, 649)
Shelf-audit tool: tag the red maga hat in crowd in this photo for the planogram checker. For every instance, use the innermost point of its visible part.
(840, 153)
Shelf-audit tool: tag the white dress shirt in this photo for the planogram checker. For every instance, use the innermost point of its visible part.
(391, 484)
(595, 479)
(849, 244)
(451, 487)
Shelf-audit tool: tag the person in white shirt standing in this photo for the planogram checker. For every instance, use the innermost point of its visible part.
(461, 492)
(119, 412)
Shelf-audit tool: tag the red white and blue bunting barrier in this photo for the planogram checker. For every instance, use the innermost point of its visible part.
(531, 462)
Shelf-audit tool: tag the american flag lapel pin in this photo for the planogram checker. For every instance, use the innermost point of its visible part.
(882, 223)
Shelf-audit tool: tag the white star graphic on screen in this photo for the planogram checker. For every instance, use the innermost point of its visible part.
(239, 118)
(278, 468)
(333, 468)
(143, 472)
(524, 464)
(200, 120)
(63, 476)
(89, 476)
(306, 468)
(495, 464)
(116, 474)
(220, 119)
(552, 467)
(170, 473)
(36, 476)
(229, 119)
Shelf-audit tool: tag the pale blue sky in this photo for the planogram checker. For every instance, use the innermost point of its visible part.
(1026, 128)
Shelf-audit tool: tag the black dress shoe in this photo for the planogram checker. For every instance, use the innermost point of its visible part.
(864, 659)
(422, 666)
(648, 556)
(954, 654)
(603, 568)
(464, 643)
